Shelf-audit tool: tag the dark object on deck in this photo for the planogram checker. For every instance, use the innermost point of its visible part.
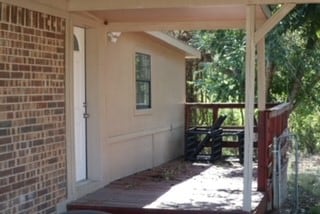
(85, 212)
(199, 138)
(241, 146)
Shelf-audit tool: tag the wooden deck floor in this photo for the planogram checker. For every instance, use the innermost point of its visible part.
(175, 187)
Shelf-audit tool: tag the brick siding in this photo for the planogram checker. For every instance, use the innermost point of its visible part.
(32, 111)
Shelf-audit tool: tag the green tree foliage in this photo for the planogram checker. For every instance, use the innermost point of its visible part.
(221, 75)
(293, 49)
(293, 68)
(293, 55)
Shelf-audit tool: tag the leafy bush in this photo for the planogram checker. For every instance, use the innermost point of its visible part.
(315, 210)
(305, 124)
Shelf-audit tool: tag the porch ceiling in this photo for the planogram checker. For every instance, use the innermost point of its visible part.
(170, 18)
(81, 5)
(212, 13)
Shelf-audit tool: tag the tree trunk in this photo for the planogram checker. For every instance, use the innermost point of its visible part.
(191, 66)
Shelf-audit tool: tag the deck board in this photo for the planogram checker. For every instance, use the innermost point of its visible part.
(175, 187)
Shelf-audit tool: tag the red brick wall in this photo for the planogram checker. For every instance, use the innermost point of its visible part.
(32, 111)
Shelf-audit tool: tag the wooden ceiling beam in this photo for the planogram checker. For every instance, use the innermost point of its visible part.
(165, 26)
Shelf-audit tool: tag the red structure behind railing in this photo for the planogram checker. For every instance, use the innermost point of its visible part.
(272, 123)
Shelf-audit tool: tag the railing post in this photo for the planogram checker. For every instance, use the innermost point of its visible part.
(214, 113)
(262, 150)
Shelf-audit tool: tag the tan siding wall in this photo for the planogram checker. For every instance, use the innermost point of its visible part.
(32, 106)
(139, 140)
(167, 84)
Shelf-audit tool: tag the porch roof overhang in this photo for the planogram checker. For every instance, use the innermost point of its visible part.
(188, 51)
(121, 15)
(82, 5)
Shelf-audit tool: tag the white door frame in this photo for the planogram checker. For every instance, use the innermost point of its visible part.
(80, 104)
(94, 179)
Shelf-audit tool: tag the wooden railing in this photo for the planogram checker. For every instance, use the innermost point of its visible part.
(214, 110)
(272, 123)
(191, 113)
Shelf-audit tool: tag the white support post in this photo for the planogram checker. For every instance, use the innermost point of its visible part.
(249, 107)
(262, 93)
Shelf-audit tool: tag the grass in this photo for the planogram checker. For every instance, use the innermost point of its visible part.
(308, 183)
(315, 210)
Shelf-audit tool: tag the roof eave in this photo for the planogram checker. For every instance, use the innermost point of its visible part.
(189, 51)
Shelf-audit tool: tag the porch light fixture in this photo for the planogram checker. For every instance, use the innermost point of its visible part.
(114, 36)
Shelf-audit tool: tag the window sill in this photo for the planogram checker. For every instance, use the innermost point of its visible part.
(142, 112)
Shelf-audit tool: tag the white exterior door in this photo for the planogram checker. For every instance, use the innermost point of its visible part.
(80, 115)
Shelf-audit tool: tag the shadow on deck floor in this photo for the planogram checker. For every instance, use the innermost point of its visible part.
(174, 187)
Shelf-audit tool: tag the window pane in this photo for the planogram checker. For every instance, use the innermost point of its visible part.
(143, 66)
(143, 95)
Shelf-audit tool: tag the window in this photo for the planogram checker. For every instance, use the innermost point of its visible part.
(143, 81)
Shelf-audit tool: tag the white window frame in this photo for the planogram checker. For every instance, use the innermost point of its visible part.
(142, 111)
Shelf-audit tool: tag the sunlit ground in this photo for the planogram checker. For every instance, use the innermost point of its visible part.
(218, 187)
